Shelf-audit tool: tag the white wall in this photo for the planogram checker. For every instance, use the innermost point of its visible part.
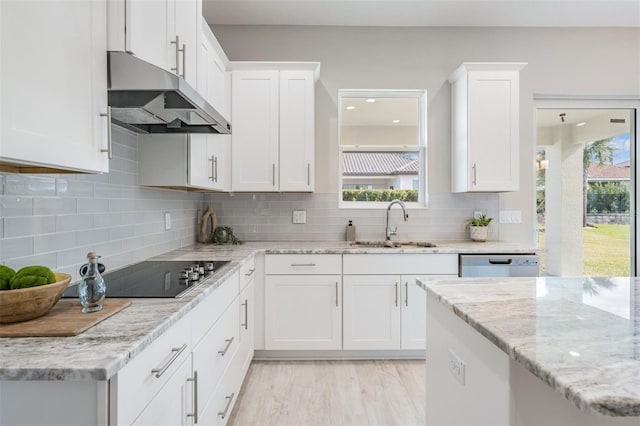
(561, 61)
(379, 135)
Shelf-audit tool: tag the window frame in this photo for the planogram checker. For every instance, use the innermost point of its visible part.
(420, 148)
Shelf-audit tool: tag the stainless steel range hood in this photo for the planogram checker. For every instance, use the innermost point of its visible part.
(147, 99)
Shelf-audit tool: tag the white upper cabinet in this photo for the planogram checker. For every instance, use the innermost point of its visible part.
(53, 81)
(485, 130)
(273, 126)
(165, 33)
(255, 112)
(214, 78)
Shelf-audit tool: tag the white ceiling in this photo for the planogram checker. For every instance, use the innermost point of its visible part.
(379, 113)
(426, 13)
(551, 117)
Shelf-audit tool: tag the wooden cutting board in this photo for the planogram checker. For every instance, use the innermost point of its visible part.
(64, 319)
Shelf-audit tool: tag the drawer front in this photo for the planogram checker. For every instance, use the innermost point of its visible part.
(303, 264)
(401, 263)
(207, 312)
(247, 272)
(140, 380)
(214, 354)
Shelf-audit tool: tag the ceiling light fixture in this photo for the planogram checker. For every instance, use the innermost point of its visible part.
(580, 124)
(370, 100)
(351, 107)
(395, 121)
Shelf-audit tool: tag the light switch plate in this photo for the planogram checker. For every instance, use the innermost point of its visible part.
(510, 216)
(299, 216)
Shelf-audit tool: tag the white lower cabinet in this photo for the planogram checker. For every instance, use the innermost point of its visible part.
(371, 312)
(174, 404)
(303, 312)
(386, 310)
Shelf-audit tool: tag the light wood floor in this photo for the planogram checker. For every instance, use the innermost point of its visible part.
(355, 393)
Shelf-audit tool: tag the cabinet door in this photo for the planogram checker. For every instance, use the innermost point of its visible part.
(148, 30)
(296, 131)
(174, 404)
(493, 130)
(413, 314)
(371, 312)
(303, 312)
(255, 111)
(53, 80)
(187, 29)
(216, 86)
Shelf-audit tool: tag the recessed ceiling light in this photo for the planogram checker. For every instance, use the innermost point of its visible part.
(370, 100)
(395, 121)
(351, 107)
(580, 124)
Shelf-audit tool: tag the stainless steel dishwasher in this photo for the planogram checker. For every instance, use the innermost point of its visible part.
(499, 265)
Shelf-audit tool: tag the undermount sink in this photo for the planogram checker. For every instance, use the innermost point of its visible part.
(391, 244)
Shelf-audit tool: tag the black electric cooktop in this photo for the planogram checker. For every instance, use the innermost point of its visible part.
(155, 279)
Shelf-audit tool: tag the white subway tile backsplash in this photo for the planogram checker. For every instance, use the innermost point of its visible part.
(71, 187)
(15, 206)
(74, 222)
(54, 205)
(49, 243)
(28, 225)
(15, 247)
(36, 185)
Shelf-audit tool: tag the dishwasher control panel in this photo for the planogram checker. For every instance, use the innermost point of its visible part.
(499, 265)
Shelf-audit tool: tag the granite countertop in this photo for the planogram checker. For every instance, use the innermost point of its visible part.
(100, 352)
(581, 336)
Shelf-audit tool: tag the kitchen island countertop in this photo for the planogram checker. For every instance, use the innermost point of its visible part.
(580, 336)
(100, 352)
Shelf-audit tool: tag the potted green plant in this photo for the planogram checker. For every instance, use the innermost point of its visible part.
(479, 228)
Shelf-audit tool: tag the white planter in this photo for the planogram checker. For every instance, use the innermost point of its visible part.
(478, 233)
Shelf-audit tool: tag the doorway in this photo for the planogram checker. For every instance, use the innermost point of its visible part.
(585, 190)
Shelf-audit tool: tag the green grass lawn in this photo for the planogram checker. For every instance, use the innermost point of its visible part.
(606, 250)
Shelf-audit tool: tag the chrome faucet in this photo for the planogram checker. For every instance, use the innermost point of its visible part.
(388, 231)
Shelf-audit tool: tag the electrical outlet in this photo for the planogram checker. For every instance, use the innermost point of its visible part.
(167, 221)
(477, 214)
(299, 216)
(456, 367)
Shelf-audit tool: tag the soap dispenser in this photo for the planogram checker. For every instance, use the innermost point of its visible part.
(351, 231)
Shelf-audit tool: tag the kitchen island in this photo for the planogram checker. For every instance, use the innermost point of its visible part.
(524, 351)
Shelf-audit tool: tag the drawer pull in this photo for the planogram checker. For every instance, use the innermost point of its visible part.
(227, 346)
(229, 398)
(195, 397)
(176, 353)
(246, 314)
(303, 264)
(251, 271)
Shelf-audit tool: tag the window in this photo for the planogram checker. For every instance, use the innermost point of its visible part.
(382, 148)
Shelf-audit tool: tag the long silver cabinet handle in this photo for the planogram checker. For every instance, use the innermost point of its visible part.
(251, 271)
(474, 168)
(195, 396)
(396, 294)
(109, 148)
(226, 348)
(176, 353)
(229, 398)
(184, 60)
(246, 314)
(303, 264)
(177, 43)
(213, 173)
(215, 161)
(273, 174)
(308, 174)
(406, 293)
(337, 294)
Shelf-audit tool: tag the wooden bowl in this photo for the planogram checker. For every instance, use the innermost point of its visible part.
(28, 303)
